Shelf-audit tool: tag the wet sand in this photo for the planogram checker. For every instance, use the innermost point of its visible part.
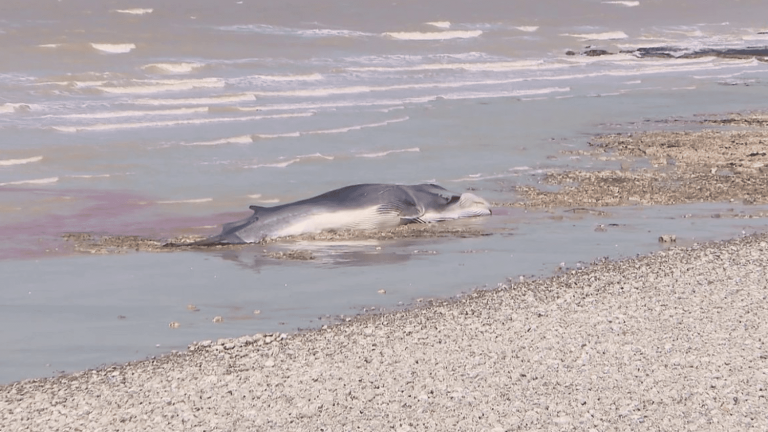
(672, 340)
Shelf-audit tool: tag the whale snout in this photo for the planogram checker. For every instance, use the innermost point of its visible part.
(470, 202)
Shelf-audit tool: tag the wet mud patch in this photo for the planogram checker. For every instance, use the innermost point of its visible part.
(293, 254)
(411, 231)
(117, 244)
(712, 165)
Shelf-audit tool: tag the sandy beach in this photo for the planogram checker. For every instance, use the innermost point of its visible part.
(674, 341)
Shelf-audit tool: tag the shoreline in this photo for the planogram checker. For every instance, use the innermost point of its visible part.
(669, 340)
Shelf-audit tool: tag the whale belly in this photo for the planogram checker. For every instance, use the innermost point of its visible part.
(374, 217)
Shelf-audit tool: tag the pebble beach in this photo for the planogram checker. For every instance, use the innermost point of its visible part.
(674, 340)
(594, 127)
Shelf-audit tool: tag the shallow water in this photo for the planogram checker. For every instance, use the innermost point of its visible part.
(143, 119)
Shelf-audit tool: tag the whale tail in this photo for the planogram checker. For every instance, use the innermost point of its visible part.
(228, 231)
(215, 241)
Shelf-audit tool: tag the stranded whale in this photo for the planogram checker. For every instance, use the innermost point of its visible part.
(363, 207)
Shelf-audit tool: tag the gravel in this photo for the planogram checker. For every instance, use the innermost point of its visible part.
(711, 165)
(675, 340)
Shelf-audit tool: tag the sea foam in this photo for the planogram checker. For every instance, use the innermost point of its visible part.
(118, 114)
(210, 100)
(502, 66)
(172, 68)
(35, 181)
(188, 201)
(439, 24)
(241, 139)
(384, 153)
(624, 3)
(426, 36)
(135, 11)
(8, 162)
(600, 36)
(156, 86)
(180, 122)
(357, 127)
(114, 48)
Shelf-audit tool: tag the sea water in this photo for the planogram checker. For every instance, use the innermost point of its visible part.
(156, 119)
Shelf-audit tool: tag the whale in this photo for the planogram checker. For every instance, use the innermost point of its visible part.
(356, 207)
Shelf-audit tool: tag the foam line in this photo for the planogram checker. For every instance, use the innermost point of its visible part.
(36, 181)
(213, 100)
(600, 36)
(623, 3)
(8, 162)
(135, 11)
(384, 153)
(114, 48)
(430, 36)
(189, 201)
(439, 24)
(118, 126)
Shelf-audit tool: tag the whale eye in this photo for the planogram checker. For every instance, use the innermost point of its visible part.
(453, 199)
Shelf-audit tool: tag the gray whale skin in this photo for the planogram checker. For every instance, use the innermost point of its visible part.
(360, 207)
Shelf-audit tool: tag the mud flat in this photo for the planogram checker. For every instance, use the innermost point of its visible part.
(715, 164)
(674, 340)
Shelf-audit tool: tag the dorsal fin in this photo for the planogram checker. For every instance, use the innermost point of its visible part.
(256, 208)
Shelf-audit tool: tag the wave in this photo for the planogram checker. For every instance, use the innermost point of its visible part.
(624, 3)
(87, 176)
(276, 164)
(210, 100)
(316, 156)
(479, 177)
(114, 48)
(329, 91)
(284, 164)
(35, 181)
(9, 162)
(242, 139)
(398, 103)
(172, 68)
(427, 36)
(385, 153)
(135, 11)
(357, 127)
(118, 114)
(277, 78)
(287, 31)
(247, 139)
(439, 24)
(614, 35)
(117, 126)
(255, 137)
(155, 86)
(528, 29)
(187, 201)
(474, 67)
